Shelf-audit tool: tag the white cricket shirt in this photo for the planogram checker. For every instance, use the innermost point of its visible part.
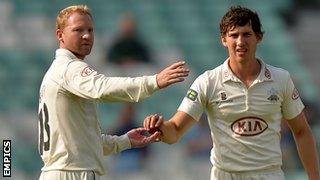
(69, 131)
(244, 122)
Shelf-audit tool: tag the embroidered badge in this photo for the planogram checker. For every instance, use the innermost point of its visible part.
(267, 73)
(273, 95)
(192, 94)
(295, 94)
(87, 71)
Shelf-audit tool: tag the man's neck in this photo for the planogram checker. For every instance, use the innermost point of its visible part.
(246, 71)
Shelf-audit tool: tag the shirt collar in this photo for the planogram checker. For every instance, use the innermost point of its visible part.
(65, 52)
(227, 74)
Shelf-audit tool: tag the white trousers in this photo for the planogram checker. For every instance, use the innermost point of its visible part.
(68, 175)
(268, 174)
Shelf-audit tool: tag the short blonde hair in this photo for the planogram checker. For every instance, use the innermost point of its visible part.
(65, 14)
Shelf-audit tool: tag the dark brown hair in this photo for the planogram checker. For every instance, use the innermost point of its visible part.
(240, 16)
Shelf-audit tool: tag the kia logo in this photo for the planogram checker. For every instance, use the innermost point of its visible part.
(249, 126)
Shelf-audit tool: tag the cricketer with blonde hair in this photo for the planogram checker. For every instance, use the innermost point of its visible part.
(71, 143)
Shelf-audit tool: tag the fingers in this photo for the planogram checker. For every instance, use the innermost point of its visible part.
(155, 137)
(140, 130)
(177, 64)
(146, 122)
(178, 75)
(158, 123)
(177, 72)
(172, 74)
(152, 122)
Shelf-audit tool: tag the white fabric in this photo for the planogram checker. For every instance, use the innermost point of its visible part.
(274, 173)
(68, 175)
(69, 123)
(244, 122)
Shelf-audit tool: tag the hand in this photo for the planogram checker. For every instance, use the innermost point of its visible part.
(172, 74)
(153, 123)
(139, 139)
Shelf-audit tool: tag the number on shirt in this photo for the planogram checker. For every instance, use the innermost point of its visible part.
(44, 128)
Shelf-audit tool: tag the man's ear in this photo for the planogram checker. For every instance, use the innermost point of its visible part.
(259, 37)
(223, 41)
(59, 33)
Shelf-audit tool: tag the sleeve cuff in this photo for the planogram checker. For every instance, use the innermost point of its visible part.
(124, 142)
(153, 82)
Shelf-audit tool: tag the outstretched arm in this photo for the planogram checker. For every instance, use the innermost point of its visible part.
(134, 138)
(172, 130)
(306, 145)
(84, 81)
(138, 137)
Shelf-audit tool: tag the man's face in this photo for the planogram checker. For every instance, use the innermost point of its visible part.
(77, 36)
(241, 42)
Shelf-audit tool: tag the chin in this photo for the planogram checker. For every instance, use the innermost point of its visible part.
(86, 52)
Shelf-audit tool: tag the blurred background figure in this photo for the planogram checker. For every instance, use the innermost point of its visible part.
(128, 47)
(126, 50)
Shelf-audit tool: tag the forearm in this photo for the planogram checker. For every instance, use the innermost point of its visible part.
(128, 89)
(308, 154)
(169, 133)
(176, 127)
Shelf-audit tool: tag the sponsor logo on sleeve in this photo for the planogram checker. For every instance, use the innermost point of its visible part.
(192, 94)
(87, 71)
(249, 126)
(295, 94)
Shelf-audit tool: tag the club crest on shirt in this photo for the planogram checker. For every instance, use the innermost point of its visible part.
(295, 94)
(273, 95)
(249, 126)
(87, 71)
(267, 73)
(192, 94)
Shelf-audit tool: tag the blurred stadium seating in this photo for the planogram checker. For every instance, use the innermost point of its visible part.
(187, 27)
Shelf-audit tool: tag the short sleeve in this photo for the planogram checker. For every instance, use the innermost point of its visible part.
(194, 102)
(292, 105)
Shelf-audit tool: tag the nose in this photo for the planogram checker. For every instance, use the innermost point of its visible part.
(86, 36)
(240, 41)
